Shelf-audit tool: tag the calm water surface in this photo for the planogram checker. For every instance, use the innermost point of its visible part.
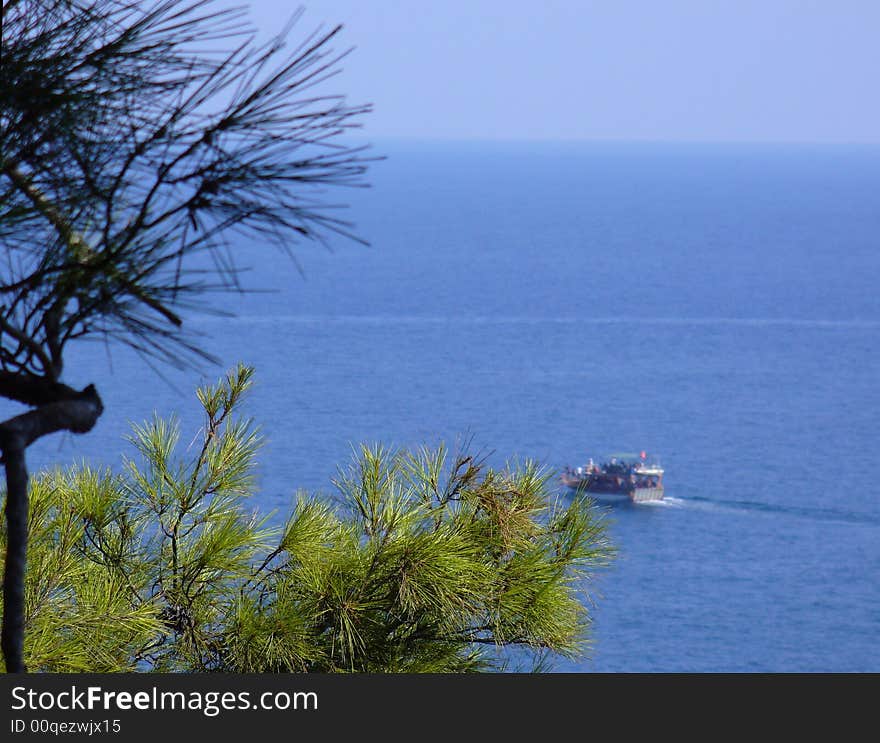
(716, 305)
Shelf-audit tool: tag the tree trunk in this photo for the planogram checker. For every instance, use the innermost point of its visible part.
(74, 411)
(16, 555)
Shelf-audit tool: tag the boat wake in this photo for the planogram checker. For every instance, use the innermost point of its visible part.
(667, 502)
(747, 506)
(701, 503)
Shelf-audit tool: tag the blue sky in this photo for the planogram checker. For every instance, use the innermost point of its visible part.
(671, 70)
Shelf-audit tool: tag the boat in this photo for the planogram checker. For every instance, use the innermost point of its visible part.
(621, 478)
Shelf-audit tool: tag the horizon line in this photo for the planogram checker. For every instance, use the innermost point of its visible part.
(415, 139)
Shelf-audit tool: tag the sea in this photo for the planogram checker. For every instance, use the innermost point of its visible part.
(715, 305)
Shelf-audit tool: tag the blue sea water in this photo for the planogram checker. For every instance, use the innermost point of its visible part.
(717, 305)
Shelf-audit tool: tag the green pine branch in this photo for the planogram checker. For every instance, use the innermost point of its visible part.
(421, 562)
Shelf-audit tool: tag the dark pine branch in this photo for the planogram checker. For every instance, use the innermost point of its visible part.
(128, 147)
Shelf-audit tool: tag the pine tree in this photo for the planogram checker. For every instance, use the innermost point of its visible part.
(135, 139)
(419, 562)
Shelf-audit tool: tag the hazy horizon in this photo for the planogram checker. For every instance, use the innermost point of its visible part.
(774, 71)
(476, 139)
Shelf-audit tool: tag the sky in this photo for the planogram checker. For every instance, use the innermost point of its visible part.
(667, 70)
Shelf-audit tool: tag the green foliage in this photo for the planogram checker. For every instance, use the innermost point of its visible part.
(421, 562)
